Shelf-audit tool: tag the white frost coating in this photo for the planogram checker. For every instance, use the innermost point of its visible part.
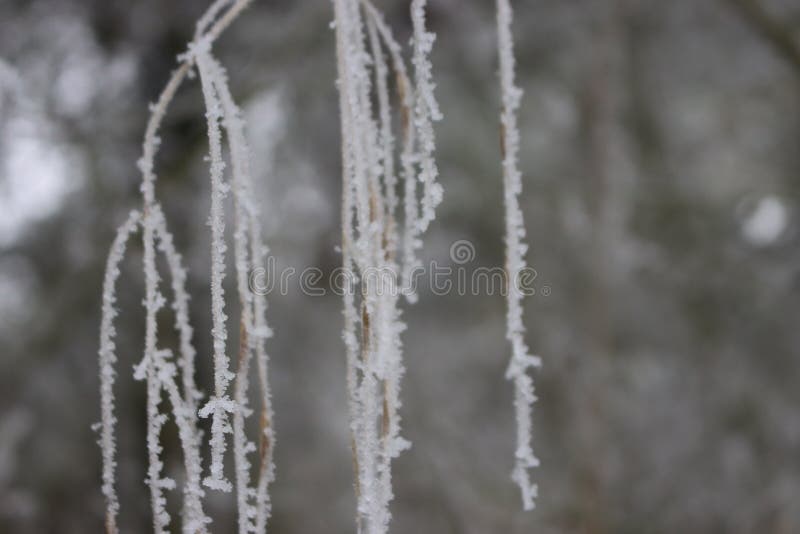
(356, 247)
(153, 302)
(180, 306)
(195, 519)
(369, 244)
(184, 407)
(411, 154)
(261, 332)
(266, 441)
(247, 511)
(389, 192)
(108, 360)
(408, 155)
(253, 502)
(148, 370)
(426, 110)
(266, 467)
(219, 405)
(521, 359)
(157, 366)
(348, 264)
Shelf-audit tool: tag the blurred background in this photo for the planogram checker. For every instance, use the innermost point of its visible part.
(661, 162)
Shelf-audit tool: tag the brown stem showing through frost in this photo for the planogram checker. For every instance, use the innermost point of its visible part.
(402, 93)
(264, 444)
(244, 349)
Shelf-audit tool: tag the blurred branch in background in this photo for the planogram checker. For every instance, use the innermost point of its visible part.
(779, 36)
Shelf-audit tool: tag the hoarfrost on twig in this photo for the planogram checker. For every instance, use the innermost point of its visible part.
(370, 235)
(108, 360)
(219, 405)
(253, 502)
(521, 359)
(159, 367)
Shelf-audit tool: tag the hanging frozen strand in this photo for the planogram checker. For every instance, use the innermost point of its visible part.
(390, 319)
(386, 140)
(348, 265)
(521, 359)
(220, 404)
(408, 156)
(108, 360)
(184, 407)
(159, 367)
(148, 370)
(180, 307)
(358, 254)
(262, 332)
(361, 251)
(153, 362)
(370, 237)
(241, 445)
(253, 502)
(425, 112)
(183, 410)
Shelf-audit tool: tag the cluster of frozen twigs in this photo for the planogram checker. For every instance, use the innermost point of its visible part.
(521, 359)
(170, 377)
(372, 237)
(380, 238)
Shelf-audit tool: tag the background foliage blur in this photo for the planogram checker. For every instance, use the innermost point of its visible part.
(661, 159)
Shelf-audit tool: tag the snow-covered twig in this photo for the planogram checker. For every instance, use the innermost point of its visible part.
(253, 503)
(108, 360)
(157, 366)
(219, 405)
(370, 236)
(521, 359)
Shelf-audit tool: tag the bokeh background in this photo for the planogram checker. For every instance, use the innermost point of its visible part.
(661, 161)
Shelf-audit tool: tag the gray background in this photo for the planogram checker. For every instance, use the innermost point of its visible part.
(661, 164)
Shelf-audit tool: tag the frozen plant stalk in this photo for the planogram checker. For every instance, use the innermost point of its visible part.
(173, 378)
(521, 359)
(371, 234)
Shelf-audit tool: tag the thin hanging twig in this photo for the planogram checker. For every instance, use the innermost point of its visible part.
(521, 359)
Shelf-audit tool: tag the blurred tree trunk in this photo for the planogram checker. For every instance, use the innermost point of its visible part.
(597, 105)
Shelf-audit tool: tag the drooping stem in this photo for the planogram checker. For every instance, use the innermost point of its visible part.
(219, 405)
(521, 359)
(370, 237)
(156, 366)
(426, 111)
(253, 503)
(184, 407)
(148, 369)
(108, 360)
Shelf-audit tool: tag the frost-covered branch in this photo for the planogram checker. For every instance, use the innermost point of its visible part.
(220, 404)
(249, 251)
(370, 234)
(148, 369)
(409, 157)
(184, 407)
(159, 367)
(426, 111)
(108, 360)
(521, 359)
